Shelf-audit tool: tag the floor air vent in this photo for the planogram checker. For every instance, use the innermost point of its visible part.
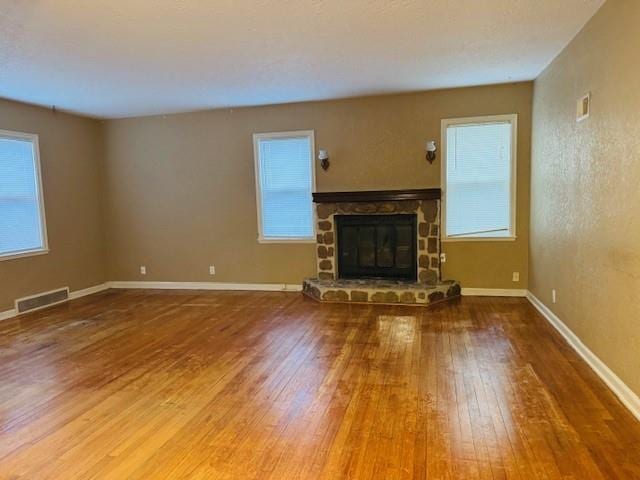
(42, 300)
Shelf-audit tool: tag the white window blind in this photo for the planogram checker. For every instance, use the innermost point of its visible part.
(479, 190)
(21, 214)
(285, 182)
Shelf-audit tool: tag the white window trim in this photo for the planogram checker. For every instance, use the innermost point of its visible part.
(256, 161)
(34, 139)
(513, 119)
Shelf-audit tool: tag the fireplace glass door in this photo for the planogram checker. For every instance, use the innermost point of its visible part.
(377, 246)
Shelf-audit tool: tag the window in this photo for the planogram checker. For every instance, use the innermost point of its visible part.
(479, 178)
(285, 180)
(22, 226)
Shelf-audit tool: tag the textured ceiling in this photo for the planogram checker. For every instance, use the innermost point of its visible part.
(115, 58)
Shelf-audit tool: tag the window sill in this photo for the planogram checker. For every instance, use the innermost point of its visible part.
(27, 253)
(479, 239)
(286, 240)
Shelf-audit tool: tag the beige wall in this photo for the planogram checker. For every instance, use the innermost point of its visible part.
(181, 194)
(70, 154)
(585, 224)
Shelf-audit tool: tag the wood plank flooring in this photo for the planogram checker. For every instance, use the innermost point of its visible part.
(229, 385)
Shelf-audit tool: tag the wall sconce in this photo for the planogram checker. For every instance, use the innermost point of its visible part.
(431, 149)
(323, 156)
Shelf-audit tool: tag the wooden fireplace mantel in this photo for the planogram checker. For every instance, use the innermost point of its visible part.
(377, 195)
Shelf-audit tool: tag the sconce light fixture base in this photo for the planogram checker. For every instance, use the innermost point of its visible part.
(431, 149)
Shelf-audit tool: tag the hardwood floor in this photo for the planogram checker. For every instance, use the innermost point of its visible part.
(227, 385)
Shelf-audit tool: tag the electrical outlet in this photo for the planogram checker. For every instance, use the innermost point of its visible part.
(443, 257)
(143, 270)
(212, 270)
(516, 276)
(553, 296)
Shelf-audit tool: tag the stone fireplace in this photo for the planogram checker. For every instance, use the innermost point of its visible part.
(381, 246)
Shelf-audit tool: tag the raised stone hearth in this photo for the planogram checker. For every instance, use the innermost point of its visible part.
(426, 286)
(379, 291)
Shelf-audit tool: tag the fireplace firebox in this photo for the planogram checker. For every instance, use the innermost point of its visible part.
(377, 246)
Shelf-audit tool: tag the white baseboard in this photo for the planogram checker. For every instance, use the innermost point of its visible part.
(72, 296)
(493, 292)
(89, 291)
(263, 287)
(8, 314)
(617, 386)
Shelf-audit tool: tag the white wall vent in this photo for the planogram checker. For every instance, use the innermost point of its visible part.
(583, 108)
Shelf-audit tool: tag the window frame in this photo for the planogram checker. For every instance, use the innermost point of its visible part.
(511, 118)
(256, 161)
(35, 141)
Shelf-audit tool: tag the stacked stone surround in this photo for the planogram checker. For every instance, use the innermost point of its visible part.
(427, 290)
(428, 233)
(379, 291)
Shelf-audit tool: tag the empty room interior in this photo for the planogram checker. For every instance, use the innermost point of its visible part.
(319, 239)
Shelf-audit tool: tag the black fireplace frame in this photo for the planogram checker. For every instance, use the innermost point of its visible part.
(378, 272)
